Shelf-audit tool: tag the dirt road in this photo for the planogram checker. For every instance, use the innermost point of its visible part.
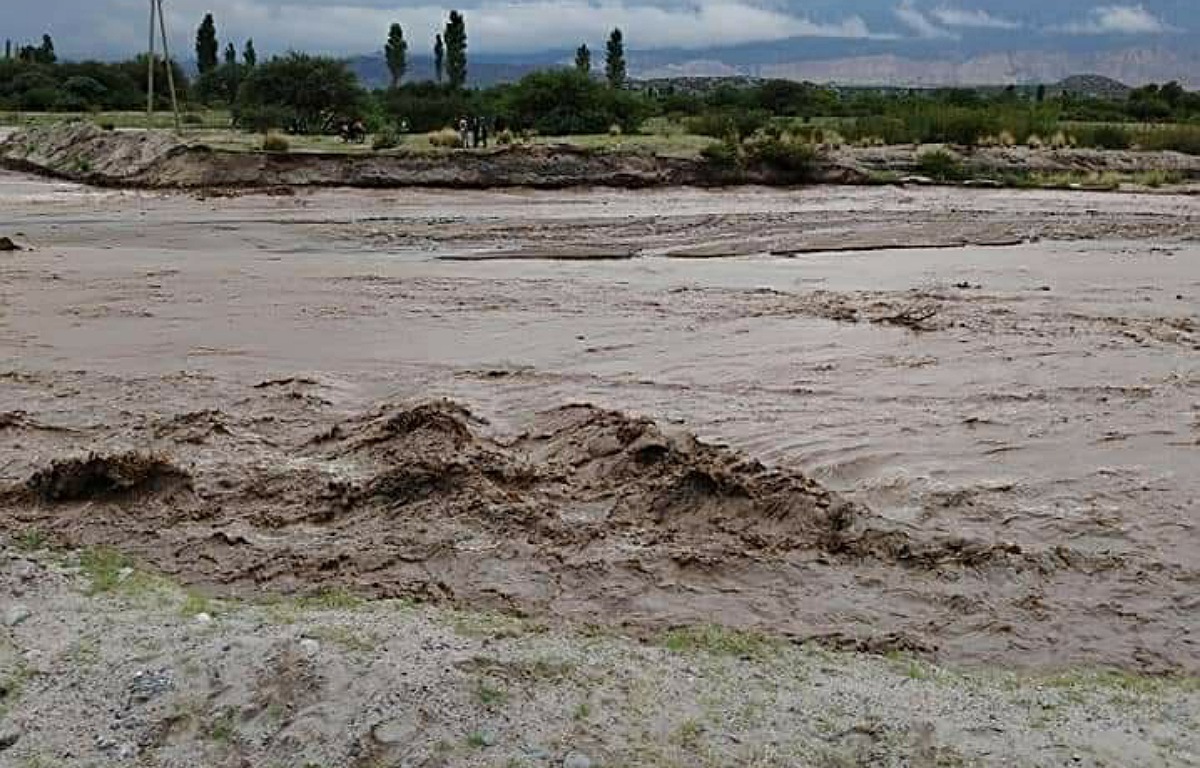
(985, 453)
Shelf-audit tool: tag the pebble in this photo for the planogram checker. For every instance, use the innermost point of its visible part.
(310, 647)
(392, 732)
(9, 735)
(24, 570)
(15, 615)
(577, 760)
(203, 618)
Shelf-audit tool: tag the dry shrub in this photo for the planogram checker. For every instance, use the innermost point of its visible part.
(1060, 140)
(447, 138)
(275, 142)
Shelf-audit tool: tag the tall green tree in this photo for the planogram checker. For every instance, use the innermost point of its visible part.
(439, 58)
(207, 47)
(230, 54)
(455, 37)
(615, 69)
(583, 59)
(396, 52)
(249, 55)
(45, 54)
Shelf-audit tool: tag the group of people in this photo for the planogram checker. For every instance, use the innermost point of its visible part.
(473, 131)
(353, 131)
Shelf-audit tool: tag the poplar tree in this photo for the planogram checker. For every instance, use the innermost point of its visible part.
(455, 38)
(207, 47)
(615, 69)
(396, 52)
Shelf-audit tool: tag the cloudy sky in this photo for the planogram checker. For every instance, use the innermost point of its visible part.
(114, 27)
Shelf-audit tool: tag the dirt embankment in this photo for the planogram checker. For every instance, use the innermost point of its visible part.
(81, 151)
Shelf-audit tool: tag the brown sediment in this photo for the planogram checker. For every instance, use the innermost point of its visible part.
(982, 454)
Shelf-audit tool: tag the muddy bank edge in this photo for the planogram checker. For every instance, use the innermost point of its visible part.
(81, 151)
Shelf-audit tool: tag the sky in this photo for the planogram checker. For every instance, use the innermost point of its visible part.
(117, 27)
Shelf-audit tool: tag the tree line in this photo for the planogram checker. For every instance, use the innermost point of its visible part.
(307, 94)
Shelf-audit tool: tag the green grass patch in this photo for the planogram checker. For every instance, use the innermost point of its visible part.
(210, 119)
(721, 641)
(910, 666)
(1117, 680)
(346, 638)
(30, 540)
(490, 695)
(195, 604)
(494, 626)
(106, 569)
(331, 599)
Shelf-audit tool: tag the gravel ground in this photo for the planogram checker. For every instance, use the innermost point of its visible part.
(104, 664)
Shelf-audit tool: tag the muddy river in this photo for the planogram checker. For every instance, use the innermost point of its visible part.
(958, 422)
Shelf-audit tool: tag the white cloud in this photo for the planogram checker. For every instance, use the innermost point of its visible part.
(973, 19)
(913, 18)
(1117, 20)
(500, 26)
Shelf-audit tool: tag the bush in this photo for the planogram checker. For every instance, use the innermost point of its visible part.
(721, 156)
(1104, 136)
(728, 124)
(794, 159)
(425, 107)
(191, 118)
(299, 93)
(941, 165)
(1179, 138)
(385, 139)
(505, 138)
(275, 142)
(447, 138)
(568, 102)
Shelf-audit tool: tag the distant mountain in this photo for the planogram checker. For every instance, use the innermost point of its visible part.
(482, 72)
(1136, 66)
(1095, 86)
(873, 64)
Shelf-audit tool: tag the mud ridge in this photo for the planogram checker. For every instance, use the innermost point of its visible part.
(586, 513)
(100, 478)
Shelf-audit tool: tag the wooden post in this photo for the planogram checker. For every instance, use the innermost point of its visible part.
(162, 25)
(150, 68)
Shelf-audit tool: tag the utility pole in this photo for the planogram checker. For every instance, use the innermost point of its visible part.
(162, 25)
(150, 67)
(156, 9)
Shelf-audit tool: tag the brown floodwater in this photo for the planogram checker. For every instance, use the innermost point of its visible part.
(1017, 427)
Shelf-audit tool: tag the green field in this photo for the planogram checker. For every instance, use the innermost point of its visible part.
(216, 118)
(212, 128)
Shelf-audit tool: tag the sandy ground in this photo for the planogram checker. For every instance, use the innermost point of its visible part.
(983, 455)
